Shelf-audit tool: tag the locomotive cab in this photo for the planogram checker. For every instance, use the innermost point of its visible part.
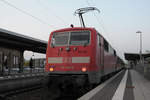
(81, 54)
(70, 52)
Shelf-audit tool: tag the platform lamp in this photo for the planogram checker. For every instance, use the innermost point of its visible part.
(139, 32)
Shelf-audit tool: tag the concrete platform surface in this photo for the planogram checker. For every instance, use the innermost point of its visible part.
(141, 86)
(127, 85)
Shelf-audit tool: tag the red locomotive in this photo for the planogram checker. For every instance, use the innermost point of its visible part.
(79, 55)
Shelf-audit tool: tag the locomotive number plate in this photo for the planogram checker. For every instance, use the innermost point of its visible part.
(67, 67)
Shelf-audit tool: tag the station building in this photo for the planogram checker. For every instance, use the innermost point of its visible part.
(12, 47)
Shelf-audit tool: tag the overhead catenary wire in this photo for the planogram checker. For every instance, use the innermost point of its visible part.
(26, 13)
(45, 7)
(88, 3)
(99, 22)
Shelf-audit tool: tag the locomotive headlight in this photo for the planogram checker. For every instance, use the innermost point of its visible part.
(84, 69)
(51, 69)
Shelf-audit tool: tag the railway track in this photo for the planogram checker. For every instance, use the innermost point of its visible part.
(78, 92)
(43, 92)
(8, 94)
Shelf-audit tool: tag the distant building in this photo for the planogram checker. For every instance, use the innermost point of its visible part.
(10, 59)
(39, 62)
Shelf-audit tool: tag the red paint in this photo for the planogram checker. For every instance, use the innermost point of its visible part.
(100, 60)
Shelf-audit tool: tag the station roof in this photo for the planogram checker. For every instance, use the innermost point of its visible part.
(18, 41)
(134, 56)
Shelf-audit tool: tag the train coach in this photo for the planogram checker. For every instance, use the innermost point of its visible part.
(79, 55)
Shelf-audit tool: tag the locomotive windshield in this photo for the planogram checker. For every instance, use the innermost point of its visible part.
(79, 38)
(60, 39)
(71, 38)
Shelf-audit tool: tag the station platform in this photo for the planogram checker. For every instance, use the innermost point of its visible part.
(11, 83)
(125, 85)
(21, 75)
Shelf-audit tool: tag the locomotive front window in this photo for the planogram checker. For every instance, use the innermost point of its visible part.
(60, 39)
(70, 38)
(79, 38)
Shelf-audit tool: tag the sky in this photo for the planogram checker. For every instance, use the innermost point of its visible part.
(118, 20)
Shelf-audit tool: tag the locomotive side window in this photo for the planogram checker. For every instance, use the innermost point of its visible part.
(79, 38)
(106, 45)
(60, 39)
(98, 39)
(111, 50)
